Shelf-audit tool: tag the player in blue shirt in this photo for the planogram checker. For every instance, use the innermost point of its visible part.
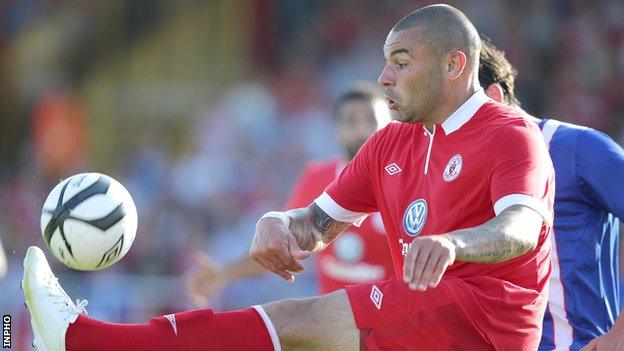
(584, 295)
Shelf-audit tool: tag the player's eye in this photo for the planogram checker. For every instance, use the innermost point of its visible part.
(401, 65)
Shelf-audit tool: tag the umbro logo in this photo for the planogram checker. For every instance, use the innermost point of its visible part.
(393, 169)
(376, 296)
(172, 320)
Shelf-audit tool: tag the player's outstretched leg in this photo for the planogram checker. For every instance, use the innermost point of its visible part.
(59, 325)
(51, 310)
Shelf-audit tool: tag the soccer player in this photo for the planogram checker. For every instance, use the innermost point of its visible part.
(359, 255)
(589, 195)
(465, 189)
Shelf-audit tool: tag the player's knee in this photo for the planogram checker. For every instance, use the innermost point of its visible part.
(294, 320)
(286, 314)
(316, 323)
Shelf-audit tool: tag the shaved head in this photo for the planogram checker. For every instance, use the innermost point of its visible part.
(432, 61)
(446, 29)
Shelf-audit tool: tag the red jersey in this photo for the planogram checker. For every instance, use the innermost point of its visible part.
(359, 255)
(483, 159)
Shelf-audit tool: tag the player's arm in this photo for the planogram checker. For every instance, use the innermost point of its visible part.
(313, 228)
(511, 234)
(207, 277)
(514, 232)
(293, 235)
(612, 340)
(283, 238)
(599, 166)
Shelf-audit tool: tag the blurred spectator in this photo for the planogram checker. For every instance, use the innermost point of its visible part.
(58, 134)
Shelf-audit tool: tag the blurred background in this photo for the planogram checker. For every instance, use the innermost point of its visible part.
(206, 111)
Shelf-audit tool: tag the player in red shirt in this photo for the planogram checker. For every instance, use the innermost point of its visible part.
(359, 255)
(465, 189)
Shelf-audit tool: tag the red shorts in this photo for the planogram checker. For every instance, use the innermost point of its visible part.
(390, 316)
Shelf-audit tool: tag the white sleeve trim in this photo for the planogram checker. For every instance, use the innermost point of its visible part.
(526, 200)
(277, 214)
(337, 212)
(548, 130)
(270, 327)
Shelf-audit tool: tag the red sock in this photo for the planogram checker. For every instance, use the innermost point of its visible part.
(187, 331)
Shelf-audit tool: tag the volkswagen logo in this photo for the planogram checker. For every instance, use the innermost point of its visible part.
(415, 217)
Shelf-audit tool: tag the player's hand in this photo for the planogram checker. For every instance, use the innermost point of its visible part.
(275, 248)
(611, 341)
(427, 260)
(204, 280)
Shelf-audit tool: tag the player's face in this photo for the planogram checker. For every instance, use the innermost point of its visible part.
(412, 76)
(356, 122)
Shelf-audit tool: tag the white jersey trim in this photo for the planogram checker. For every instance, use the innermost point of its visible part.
(337, 212)
(465, 112)
(548, 130)
(563, 335)
(526, 200)
(270, 327)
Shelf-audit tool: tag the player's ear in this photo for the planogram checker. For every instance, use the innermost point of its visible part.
(495, 92)
(456, 64)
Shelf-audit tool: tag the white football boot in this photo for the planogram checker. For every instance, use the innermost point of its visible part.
(51, 310)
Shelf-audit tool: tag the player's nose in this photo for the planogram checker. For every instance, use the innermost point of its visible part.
(385, 78)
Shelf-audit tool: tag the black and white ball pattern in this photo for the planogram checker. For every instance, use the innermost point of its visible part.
(89, 221)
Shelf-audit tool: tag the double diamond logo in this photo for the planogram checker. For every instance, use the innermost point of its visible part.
(376, 296)
(393, 169)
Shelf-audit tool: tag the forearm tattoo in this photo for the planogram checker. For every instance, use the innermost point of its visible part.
(313, 228)
(497, 249)
(329, 227)
(501, 239)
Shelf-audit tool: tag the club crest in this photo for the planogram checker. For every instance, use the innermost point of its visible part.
(453, 168)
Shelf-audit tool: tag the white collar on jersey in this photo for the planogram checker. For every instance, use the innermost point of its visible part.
(465, 112)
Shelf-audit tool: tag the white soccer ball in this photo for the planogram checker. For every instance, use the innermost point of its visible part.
(89, 221)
